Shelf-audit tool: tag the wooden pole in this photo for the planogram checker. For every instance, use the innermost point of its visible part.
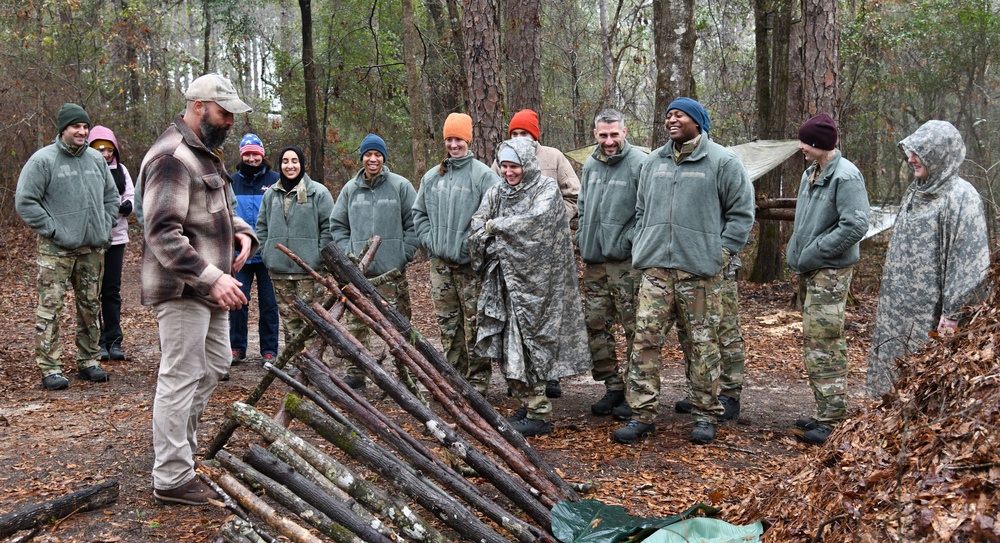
(372, 497)
(293, 347)
(307, 509)
(261, 509)
(410, 448)
(341, 267)
(402, 476)
(348, 345)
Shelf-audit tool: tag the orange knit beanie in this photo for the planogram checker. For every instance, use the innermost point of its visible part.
(458, 125)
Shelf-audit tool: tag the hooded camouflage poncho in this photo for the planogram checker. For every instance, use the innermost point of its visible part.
(530, 314)
(938, 255)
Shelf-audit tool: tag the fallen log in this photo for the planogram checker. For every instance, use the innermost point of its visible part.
(340, 266)
(513, 488)
(402, 476)
(262, 510)
(412, 449)
(778, 214)
(370, 496)
(776, 203)
(289, 499)
(282, 473)
(288, 455)
(31, 516)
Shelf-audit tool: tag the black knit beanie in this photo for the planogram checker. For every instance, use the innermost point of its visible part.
(71, 114)
(820, 132)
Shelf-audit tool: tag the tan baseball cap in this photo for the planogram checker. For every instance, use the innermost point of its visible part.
(218, 89)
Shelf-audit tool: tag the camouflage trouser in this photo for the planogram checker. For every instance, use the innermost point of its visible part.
(395, 289)
(609, 291)
(824, 347)
(57, 270)
(731, 350)
(455, 292)
(667, 296)
(532, 398)
(286, 289)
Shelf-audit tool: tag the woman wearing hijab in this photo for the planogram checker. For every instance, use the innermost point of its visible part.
(529, 313)
(295, 212)
(103, 139)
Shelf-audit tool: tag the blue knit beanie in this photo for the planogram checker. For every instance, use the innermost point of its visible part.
(693, 110)
(373, 143)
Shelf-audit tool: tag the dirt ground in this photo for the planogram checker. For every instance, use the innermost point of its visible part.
(53, 443)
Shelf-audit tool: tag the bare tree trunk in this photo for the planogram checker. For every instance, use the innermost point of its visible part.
(773, 24)
(820, 57)
(609, 94)
(674, 36)
(309, 77)
(455, 20)
(482, 66)
(207, 38)
(522, 45)
(412, 52)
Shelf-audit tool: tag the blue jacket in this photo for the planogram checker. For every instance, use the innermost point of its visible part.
(249, 194)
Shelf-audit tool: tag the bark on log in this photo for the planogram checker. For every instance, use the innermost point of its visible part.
(242, 515)
(282, 473)
(338, 263)
(30, 516)
(772, 203)
(235, 530)
(291, 349)
(402, 476)
(287, 454)
(780, 214)
(342, 340)
(373, 498)
(246, 529)
(262, 510)
(289, 499)
(412, 449)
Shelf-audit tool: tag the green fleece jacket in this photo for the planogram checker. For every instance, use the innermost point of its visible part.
(687, 213)
(831, 217)
(66, 197)
(304, 228)
(383, 207)
(607, 204)
(445, 203)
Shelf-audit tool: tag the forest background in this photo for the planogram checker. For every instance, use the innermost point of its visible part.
(323, 74)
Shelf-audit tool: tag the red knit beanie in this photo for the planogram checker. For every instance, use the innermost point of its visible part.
(526, 120)
(820, 132)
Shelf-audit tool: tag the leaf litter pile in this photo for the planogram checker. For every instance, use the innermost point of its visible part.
(922, 464)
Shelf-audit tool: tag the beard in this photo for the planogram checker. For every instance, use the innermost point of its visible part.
(211, 135)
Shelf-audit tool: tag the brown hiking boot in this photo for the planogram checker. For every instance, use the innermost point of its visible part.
(194, 492)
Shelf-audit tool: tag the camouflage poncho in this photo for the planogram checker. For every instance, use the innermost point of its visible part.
(530, 314)
(938, 255)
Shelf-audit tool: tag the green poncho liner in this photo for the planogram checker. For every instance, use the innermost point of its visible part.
(530, 314)
(938, 256)
(591, 521)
